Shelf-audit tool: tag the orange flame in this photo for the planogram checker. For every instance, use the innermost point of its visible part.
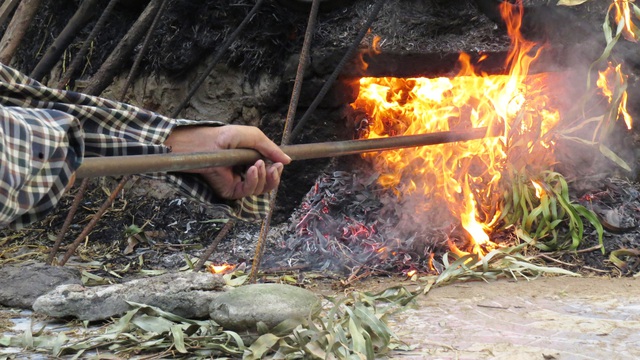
(375, 44)
(623, 18)
(607, 81)
(465, 176)
(539, 189)
(221, 269)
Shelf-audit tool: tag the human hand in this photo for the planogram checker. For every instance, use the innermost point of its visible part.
(259, 178)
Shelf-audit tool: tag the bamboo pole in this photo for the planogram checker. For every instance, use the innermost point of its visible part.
(140, 164)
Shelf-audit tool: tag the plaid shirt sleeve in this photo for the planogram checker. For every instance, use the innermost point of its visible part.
(46, 133)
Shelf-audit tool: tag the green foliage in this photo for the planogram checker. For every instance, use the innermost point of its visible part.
(623, 258)
(498, 263)
(352, 327)
(550, 221)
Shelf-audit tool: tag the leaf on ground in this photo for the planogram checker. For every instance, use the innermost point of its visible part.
(571, 2)
(261, 346)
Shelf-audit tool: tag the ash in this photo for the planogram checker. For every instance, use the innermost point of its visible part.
(348, 222)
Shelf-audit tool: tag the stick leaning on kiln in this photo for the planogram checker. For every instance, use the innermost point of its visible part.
(140, 164)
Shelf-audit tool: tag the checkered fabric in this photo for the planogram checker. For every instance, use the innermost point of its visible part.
(46, 133)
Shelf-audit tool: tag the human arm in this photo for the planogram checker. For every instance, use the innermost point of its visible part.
(39, 151)
(110, 128)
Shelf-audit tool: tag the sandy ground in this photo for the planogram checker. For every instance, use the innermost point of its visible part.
(547, 318)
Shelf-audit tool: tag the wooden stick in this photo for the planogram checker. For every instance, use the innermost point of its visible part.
(110, 68)
(140, 164)
(17, 29)
(85, 12)
(5, 10)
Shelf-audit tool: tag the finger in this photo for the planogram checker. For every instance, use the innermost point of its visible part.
(248, 186)
(262, 177)
(274, 173)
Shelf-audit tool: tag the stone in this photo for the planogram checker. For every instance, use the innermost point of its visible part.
(184, 294)
(21, 285)
(242, 308)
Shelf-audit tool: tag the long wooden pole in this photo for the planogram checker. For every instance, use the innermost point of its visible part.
(141, 164)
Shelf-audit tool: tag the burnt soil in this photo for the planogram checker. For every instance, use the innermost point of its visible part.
(346, 221)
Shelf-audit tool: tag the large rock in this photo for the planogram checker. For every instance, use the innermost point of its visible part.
(21, 285)
(184, 294)
(242, 308)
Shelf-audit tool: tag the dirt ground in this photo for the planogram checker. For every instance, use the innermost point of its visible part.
(544, 318)
(547, 318)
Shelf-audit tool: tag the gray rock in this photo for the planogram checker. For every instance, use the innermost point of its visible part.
(184, 294)
(21, 285)
(243, 307)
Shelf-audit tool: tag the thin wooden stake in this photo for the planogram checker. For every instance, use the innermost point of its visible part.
(67, 221)
(109, 69)
(214, 245)
(291, 114)
(143, 50)
(85, 12)
(218, 55)
(94, 220)
(79, 57)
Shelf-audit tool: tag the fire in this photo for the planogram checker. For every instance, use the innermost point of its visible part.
(221, 269)
(623, 18)
(539, 189)
(607, 81)
(466, 176)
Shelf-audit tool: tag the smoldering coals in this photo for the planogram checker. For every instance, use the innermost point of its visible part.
(347, 221)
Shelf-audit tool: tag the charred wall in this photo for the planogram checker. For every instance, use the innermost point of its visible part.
(253, 83)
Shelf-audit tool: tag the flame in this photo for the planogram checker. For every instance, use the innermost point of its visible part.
(608, 80)
(375, 44)
(221, 269)
(539, 190)
(623, 18)
(465, 176)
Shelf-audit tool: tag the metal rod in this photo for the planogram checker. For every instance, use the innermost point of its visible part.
(141, 164)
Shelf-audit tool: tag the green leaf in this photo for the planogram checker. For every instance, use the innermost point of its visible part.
(571, 2)
(261, 346)
(378, 328)
(316, 350)
(616, 257)
(357, 339)
(613, 157)
(5, 340)
(543, 269)
(234, 280)
(178, 338)
(92, 279)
